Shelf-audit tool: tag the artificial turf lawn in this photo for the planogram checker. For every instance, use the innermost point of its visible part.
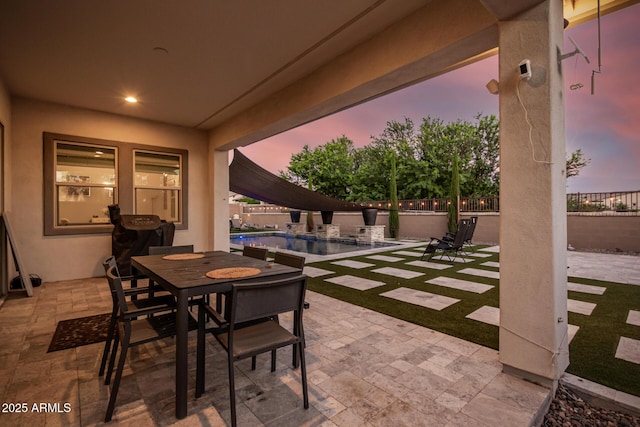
(591, 352)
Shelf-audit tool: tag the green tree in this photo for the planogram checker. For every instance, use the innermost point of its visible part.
(331, 166)
(394, 218)
(575, 162)
(453, 210)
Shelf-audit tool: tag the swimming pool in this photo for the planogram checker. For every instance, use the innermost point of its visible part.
(305, 244)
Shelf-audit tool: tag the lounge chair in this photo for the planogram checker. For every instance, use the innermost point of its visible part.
(470, 230)
(447, 246)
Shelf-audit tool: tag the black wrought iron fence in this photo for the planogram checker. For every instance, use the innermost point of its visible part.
(610, 203)
(467, 204)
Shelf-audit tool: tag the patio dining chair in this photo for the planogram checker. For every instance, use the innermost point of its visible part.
(294, 261)
(446, 246)
(155, 304)
(253, 308)
(255, 252)
(133, 329)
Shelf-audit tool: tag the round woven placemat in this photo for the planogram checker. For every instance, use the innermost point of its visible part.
(179, 257)
(233, 272)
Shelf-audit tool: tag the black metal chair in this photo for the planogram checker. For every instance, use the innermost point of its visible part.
(469, 236)
(251, 329)
(294, 261)
(155, 304)
(133, 330)
(255, 252)
(448, 246)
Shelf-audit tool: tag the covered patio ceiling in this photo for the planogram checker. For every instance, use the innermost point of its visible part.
(214, 65)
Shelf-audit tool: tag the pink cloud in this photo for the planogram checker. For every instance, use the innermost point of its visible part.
(604, 125)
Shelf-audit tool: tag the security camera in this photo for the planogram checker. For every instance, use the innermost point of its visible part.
(525, 69)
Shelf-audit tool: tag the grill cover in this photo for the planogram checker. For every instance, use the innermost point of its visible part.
(133, 234)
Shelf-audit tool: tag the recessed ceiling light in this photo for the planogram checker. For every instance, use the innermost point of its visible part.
(131, 99)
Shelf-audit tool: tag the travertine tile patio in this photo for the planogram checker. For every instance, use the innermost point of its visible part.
(365, 368)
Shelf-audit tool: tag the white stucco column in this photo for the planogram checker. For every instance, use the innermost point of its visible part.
(533, 231)
(219, 199)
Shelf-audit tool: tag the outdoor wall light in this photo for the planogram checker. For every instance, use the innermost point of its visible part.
(493, 86)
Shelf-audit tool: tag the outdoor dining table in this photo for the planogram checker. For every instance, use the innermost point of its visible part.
(185, 278)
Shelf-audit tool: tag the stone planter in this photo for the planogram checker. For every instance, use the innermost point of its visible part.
(369, 215)
(295, 216)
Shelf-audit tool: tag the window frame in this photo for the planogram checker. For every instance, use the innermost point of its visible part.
(180, 188)
(123, 192)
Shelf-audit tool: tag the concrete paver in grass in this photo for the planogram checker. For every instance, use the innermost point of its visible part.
(421, 298)
(486, 314)
(409, 253)
(353, 264)
(580, 307)
(633, 318)
(398, 272)
(494, 264)
(586, 289)
(493, 249)
(427, 264)
(491, 316)
(463, 285)
(385, 258)
(481, 273)
(572, 330)
(354, 282)
(457, 259)
(316, 272)
(478, 254)
(629, 350)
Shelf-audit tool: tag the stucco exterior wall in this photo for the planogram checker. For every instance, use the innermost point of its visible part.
(71, 257)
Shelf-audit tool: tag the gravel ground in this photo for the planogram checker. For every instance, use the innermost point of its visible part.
(569, 410)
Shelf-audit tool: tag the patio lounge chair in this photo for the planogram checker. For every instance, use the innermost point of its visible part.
(470, 230)
(448, 246)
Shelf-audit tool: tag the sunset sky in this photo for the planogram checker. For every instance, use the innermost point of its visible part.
(606, 125)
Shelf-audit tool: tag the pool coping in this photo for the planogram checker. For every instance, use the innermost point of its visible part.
(393, 246)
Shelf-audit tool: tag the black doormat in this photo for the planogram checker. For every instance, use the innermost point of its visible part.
(81, 331)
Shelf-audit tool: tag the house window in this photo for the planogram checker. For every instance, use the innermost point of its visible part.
(83, 176)
(157, 184)
(85, 183)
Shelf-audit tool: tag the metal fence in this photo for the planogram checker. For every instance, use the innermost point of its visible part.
(610, 203)
(614, 203)
(467, 204)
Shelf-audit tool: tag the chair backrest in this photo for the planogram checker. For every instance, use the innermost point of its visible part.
(472, 227)
(169, 250)
(259, 300)
(461, 234)
(115, 283)
(254, 252)
(294, 261)
(110, 262)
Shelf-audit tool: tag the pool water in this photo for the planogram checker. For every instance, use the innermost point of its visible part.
(309, 245)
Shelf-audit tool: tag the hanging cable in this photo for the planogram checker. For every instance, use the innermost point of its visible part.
(526, 118)
(593, 72)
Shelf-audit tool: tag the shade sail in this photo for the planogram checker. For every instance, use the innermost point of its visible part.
(251, 180)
